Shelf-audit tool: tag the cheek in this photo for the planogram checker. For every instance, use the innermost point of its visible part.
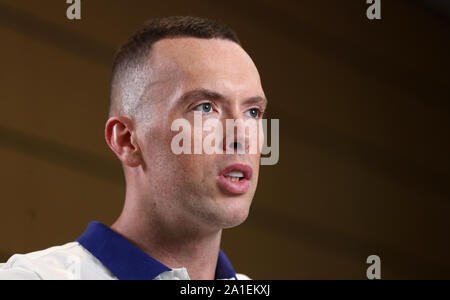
(192, 176)
(198, 166)
(261, 136)
(156, 149)
(256, 162)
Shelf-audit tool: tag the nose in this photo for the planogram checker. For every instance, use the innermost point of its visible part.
(236, 141)
(236, 137)
(236, 146)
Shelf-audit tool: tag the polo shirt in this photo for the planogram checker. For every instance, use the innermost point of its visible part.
(100, 254)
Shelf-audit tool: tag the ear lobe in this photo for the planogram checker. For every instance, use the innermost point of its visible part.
(119, 135)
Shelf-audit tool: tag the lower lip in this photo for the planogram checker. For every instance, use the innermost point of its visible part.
(233, 187)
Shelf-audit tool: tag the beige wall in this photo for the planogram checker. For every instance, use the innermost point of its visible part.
(364, 114)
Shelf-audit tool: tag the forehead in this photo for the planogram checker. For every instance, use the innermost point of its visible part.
(209, 63)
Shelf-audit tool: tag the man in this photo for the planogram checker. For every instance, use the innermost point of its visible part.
(176, 206)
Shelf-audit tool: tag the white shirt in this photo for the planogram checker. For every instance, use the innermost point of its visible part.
(100, 254)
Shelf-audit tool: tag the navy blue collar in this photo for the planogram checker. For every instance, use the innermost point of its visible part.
(127, 262)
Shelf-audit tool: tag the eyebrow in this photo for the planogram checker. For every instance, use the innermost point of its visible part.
(201, 94)
(212, 95)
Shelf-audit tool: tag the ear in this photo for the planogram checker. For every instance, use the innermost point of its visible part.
(121, 138)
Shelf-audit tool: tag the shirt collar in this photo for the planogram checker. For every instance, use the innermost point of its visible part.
(127, 262)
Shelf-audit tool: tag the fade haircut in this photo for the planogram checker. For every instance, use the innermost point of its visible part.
(130, 74)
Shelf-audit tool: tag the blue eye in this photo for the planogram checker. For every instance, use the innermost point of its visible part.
(204, 108)
(254, 113)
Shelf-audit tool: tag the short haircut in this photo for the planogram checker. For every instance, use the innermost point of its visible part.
(127, 82)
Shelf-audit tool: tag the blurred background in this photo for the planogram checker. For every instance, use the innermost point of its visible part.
(364, 109)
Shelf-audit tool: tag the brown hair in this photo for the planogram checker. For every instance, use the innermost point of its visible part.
(138, 47)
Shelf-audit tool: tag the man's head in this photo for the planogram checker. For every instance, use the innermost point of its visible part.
(169, 70)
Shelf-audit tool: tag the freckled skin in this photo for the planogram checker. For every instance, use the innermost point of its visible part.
(188, 182)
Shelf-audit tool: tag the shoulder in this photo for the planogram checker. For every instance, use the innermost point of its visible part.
(69, 261)
(242, 277)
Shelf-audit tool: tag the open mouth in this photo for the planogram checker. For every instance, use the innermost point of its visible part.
(235, 179)
(235, 176)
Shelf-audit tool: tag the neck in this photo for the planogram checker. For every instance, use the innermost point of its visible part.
(174, 245)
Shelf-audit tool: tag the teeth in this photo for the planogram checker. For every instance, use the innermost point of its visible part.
(235, 174)
(232, 178)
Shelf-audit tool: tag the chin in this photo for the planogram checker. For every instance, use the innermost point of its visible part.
(234, 223)
(234, 215)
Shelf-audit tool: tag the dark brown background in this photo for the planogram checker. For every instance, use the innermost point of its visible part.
(364, 114)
